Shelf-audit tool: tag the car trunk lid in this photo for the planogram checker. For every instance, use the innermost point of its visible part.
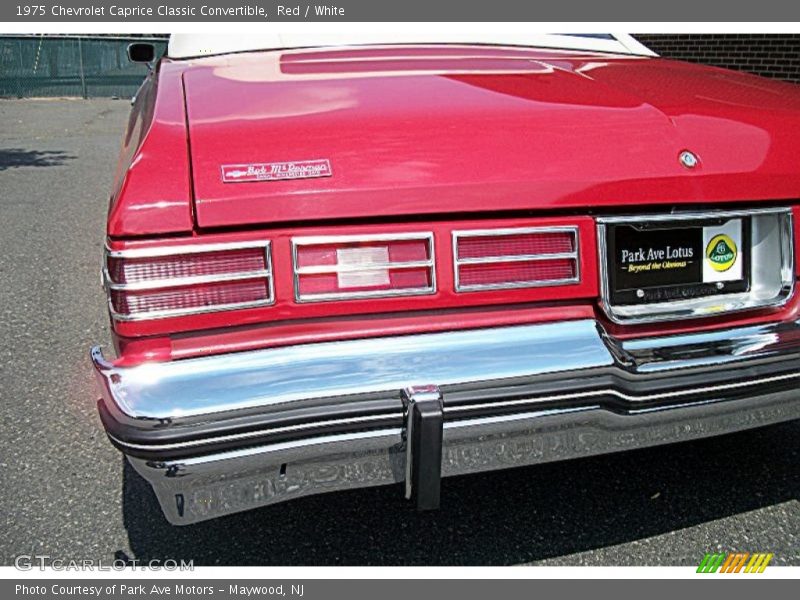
(384, 132)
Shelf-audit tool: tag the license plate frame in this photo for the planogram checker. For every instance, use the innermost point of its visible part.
(633, 245)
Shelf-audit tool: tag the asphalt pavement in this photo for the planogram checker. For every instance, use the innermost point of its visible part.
(65, 492)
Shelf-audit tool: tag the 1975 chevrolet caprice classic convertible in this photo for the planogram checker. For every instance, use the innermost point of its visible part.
(337, 266)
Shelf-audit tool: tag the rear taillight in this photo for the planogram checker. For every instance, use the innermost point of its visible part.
(373, 266)
(515, 258)
(185, 280)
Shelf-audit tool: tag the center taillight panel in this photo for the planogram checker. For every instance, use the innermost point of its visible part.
(159, 287)
(330, 268)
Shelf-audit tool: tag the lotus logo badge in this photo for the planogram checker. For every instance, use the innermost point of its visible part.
(688, 159)
(721, 252)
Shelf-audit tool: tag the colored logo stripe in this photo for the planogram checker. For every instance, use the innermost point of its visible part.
(758, 563)
(734, 562)
(710, 563)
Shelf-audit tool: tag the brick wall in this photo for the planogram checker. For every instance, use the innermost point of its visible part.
(769, 55)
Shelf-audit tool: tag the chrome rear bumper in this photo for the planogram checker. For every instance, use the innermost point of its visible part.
(222, 434)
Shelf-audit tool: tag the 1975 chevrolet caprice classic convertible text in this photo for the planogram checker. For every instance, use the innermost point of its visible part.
(336, 266)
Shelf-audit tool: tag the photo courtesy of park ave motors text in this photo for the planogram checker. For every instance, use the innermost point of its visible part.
(467, 296)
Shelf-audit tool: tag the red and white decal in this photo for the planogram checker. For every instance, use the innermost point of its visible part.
(300, 169)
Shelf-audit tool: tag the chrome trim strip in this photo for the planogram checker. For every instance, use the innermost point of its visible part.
(514, 285)
(300, 444)
(157, 284)
(183, 312)
(706, 306)
(158, 251)
(508, 231)
(517, 258)
(691, 215)
(322, 240)
(365, 295)
(480, 287)
(160, 284)
(623, 396)
(249, 434)
(502, 231)
(320, 269)
(716, 347)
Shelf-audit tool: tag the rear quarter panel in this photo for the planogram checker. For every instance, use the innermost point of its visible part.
(152, 186)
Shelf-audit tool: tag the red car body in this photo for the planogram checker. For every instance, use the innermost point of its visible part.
(434, 140)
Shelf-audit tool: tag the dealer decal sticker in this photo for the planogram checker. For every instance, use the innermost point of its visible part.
(276, 171)
(721, 252)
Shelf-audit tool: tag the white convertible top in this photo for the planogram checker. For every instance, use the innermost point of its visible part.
(184, 45)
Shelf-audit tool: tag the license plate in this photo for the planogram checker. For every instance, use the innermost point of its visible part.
(663, 261)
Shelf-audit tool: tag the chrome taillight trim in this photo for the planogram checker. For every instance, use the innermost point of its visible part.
(500, 232)
(160, 284)
(183, 312)
(321, 240)
(177, 282)
(703, 307)
(158, 251)
(321, 269)
(516, 258)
